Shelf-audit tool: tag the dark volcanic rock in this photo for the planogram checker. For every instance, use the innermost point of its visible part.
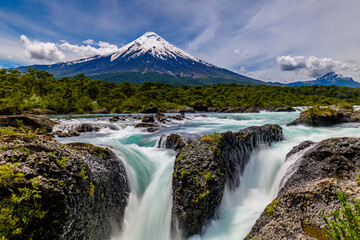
(309, 188)
(335, 157)
(240, 110)
(148, 119)
(87, 127)
(161, 117)
(151, 110)
(297, 213)
(114, 119)
(322, 117)
(145, 125)
(31, 121)
(203, 167)
(285, 109)
(199, 107)
(83, 189)
(175, 141)
(186, 110)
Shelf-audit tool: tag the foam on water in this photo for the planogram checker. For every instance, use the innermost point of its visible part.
(148, 214)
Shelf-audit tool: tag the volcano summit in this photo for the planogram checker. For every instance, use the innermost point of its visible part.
(147, 54)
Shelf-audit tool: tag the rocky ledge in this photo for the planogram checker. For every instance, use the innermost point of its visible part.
(176, 141)
(204, 167)
(50, 190)
(309, 188)
(326, 116)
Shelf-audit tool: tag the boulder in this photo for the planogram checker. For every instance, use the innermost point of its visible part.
(199, 107)
(145, 125)
(308, 190)
(323, 117)
(285, 109)
(114, 119)
(186, 110)
(175, 141)
(161, 117)
(31, 121)
(64, 191)
(151, 110)
(148, 119)
(204, 167)
(87, 127)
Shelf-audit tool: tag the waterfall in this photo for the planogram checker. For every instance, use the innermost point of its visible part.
(150, 171)
(148, 214)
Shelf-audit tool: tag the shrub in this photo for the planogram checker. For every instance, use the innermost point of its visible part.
(345, 223)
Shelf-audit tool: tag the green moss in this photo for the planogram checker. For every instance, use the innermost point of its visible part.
(62, 162)
(83, 175)
(213, 139)
(24, 150)
(358, 179)
(208, 176)
(204, 194)
(91, 189)
(20, 204)
(207, 139)
(175, 173)
(270, 209)
(183, 173)
(94, 150)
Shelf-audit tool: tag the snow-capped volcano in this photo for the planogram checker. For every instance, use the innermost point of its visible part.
(153, 44)
(328, 79)
(148, 53)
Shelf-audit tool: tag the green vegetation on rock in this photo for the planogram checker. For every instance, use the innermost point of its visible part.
(270, 209)
(345, 223)
(19, 203)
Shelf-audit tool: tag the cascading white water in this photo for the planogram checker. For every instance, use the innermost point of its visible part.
(148, 214)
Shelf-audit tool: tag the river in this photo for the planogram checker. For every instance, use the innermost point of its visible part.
(149, 169)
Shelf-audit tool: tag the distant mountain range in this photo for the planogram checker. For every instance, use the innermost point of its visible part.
(148, 54)
(152, 58)
(328, 79)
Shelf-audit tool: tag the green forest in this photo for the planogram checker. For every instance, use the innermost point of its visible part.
(39, 89)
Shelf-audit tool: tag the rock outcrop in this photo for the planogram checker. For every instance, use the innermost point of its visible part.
(323, 117)
(204, 167)
(31, 121)
(309, 188)
(175, 141)
(74, 130)
(62, 191)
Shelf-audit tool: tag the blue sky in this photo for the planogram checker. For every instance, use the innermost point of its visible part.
(272, 40)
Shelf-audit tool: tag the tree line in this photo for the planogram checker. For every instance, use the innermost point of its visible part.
(20, 91)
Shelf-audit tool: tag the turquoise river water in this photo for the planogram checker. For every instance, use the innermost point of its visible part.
(148, 214)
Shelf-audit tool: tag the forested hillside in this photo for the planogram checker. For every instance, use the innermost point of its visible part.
(39, 89)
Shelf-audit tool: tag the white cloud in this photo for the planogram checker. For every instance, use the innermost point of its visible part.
(42, 51)
(47, 52)
(245, 53)
(89, 42)
(289, 63)
(314, 66)
(81, 51)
